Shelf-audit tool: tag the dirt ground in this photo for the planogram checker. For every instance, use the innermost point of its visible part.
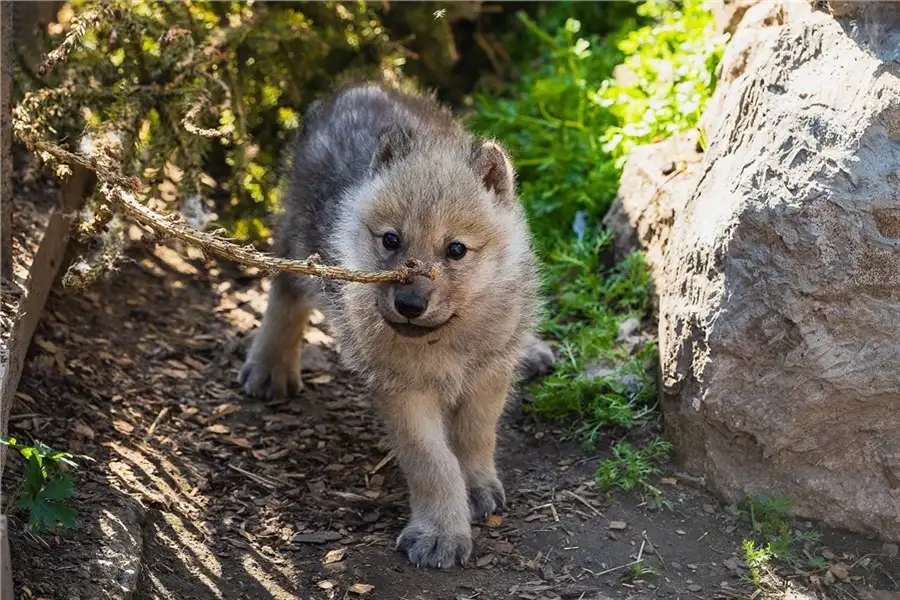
(199, 492)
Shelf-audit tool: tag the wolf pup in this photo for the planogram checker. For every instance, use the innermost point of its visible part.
(380, 177)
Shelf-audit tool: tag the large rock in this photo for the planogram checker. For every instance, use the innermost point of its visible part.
(780, 313)
(658, 179)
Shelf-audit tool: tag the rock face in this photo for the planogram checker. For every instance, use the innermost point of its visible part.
(780, 309)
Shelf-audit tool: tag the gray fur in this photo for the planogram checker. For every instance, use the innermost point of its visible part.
(369, 160)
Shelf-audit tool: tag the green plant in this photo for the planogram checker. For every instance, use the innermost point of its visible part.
(631, 468)
(756, 559)
(639, 571)
(776, 539)
(568, 122)
(46, 486)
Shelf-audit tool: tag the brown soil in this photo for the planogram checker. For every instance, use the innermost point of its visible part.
(201, 492)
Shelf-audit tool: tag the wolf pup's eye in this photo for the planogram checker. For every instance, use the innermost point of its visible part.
(391, 240)
(456, 250)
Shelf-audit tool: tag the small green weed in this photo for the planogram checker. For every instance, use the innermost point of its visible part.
(776, 539)
(629, 469)
(757, 559)
(639, 571)
(46, 486)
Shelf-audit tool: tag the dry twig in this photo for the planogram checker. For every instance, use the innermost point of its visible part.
(583, 501)
(118, 190)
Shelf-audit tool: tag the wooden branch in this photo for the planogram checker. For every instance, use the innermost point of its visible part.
(119, 191)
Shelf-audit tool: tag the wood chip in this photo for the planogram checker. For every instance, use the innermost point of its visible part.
(839, 570)
(618, 525)
(218, 428)
(361, 588)
(84, 431)
(240, 442)
(123, 426)
(485, 560)
(322, 379)
(333, 556)
(494, 520)
(319, 537)
(325, 584)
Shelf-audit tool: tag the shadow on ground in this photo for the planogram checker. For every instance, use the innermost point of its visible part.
(199, 492)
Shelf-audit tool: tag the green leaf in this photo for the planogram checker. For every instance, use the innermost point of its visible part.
(44, 516)
(117, 57)
(34, 477)
(59, 489)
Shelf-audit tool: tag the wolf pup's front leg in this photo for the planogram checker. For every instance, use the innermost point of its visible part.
(474, 438)
(272, 368)
(438, 533)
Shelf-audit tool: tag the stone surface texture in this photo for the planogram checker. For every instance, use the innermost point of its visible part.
(776, 256)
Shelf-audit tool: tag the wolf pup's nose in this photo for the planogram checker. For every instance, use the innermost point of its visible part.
(410, 304)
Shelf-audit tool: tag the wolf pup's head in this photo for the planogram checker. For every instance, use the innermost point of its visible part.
(440, 199)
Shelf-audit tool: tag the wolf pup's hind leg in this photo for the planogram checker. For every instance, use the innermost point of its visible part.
(272, 368)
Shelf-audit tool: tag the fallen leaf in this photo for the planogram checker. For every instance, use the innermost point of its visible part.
(47, 345)
(194, 363)
(361, 588)
(240, 442)
(669, 481)
(325, 584)
(175, 373)
(123, 426)
(322, 379)
(494, 520)
(485, 560)
(218, 428)
(333, 556)
(618, 525)
(839, 570)
(84, 431)
(225, 409)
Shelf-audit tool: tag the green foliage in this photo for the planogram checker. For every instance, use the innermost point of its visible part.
(629, 469)
(569, 122)
(46, 486)
(667, 77)
(756, 558)
(241, 73)
(775, 539)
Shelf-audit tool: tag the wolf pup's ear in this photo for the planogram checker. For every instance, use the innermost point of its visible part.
(492, 165)
(393, 144)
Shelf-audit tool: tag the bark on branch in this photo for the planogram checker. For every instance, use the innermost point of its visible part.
(118, 190)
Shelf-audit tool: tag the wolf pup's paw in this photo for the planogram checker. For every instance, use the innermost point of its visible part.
(486, 498)
(537, 361)
(269, 380)
(427, 544)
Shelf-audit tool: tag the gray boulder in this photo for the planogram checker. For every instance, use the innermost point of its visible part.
(780, 309)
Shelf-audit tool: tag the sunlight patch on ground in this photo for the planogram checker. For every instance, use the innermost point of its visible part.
(196, 564)
(257, 572)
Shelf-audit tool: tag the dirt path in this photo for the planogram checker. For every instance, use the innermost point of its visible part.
(200, 492)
